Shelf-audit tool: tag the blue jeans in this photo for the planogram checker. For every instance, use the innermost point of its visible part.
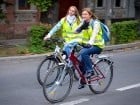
(85, 57)
(68, 47)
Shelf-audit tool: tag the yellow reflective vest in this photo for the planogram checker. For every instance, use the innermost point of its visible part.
(99, 41)
(68, 31)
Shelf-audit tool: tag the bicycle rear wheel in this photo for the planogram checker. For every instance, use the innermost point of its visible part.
(44, 66)
(104, 70)
(60, 88)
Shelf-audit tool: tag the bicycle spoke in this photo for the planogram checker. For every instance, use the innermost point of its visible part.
(61, 86)
(44, 68)
(104, 73)
(53, 89)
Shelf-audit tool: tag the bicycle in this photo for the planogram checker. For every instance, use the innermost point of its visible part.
(97, 83)
(50, 61)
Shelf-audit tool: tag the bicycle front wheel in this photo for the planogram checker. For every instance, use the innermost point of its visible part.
(75, 74)
(103, 70)
(60, 88)
(44, 66)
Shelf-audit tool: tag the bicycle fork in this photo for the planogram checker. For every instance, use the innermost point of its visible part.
(58, 82)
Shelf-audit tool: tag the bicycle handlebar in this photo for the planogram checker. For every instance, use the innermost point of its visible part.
(56, 40)
(76, 44)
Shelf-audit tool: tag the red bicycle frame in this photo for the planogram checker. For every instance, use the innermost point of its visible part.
(77, 63)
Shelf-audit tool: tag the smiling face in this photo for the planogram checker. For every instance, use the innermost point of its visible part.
(86, 16)
(71, 11)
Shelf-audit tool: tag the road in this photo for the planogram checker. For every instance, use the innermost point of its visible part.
(18, 84)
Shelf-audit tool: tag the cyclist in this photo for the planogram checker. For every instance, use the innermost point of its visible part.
(67, 25)
(92, 37)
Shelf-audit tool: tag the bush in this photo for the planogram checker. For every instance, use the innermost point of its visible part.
(35, 40)
(124, 32)
(138, 30)
(36, 34)
(22, 49)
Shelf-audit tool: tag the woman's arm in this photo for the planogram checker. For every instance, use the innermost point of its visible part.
(55, 28)
(95, 32)
(83, 25)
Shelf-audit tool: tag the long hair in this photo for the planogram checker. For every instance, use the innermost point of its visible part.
(76, 13)
(91, 12)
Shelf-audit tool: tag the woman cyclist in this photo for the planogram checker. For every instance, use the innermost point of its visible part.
(92, 37)
(67, 25)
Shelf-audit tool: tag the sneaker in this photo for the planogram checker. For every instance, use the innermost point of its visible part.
(89, 74)
(81, 85)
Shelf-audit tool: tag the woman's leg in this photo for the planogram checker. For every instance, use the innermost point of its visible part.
(68, 46)
(85, 57)
(67, 50)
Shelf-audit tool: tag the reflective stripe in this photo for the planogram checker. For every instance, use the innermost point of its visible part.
(98, 41)
(72, 37)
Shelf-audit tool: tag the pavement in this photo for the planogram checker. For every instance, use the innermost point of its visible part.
(107, 49)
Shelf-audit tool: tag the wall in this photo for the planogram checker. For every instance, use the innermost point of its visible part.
(126, 9)
(17, 22)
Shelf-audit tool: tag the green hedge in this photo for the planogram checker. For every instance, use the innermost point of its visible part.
(125, 32)
(121, 32)
(36, 44)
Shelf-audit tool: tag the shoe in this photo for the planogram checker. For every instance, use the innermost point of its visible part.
(81, 85)
(89, 74)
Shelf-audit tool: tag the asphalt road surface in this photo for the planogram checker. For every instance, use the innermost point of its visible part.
(19, 86)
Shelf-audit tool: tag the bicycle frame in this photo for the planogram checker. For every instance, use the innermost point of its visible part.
(50, 88)
(77, 63)
(58, 54)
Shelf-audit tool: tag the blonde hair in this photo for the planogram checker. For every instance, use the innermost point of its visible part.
(90, 12)
(76, 13)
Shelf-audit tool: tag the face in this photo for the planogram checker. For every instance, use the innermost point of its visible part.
(86, 16)
(71, 11)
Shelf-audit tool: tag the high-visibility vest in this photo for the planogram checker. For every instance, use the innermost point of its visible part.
(68, 31)
(98, 39)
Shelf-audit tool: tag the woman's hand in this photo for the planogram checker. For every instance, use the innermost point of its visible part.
(86, 45)
(47, 37)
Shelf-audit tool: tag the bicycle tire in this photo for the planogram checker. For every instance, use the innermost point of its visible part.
(50, 92)
(44, 66)
(101, 66)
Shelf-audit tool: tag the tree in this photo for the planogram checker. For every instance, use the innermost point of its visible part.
(42, 5)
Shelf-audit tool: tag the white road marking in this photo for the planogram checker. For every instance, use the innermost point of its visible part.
(85, 99)
(75, 102)
(128, 87)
